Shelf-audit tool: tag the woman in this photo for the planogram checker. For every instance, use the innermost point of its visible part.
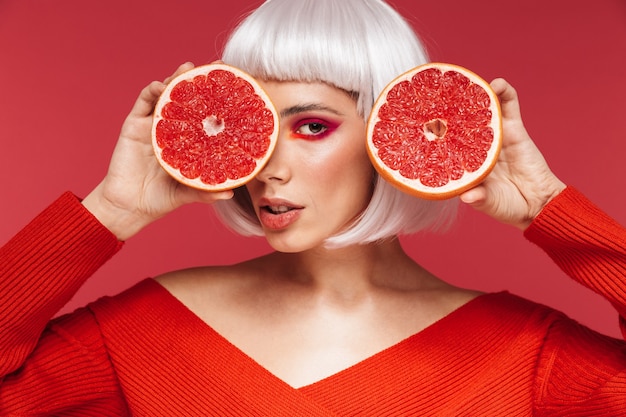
(338, 320)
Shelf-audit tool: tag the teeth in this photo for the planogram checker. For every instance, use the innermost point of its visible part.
(279, 209)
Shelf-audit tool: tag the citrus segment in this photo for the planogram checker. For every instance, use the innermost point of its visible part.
(435, 131)
(214, 127)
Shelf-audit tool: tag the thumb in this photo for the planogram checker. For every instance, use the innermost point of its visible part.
(188, 195)
(211, 197)
(473, 195)
(476, 197)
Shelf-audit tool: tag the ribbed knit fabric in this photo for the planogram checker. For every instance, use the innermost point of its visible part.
(143, 353)
(585, 243)
(41, 268)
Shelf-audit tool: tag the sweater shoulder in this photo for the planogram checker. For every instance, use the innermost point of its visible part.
(504, 308)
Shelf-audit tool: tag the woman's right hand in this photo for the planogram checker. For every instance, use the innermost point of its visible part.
(136, 190)
(521, 183)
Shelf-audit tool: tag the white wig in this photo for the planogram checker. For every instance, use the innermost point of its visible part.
(358, 46)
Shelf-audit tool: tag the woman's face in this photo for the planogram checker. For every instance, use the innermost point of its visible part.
(319, 177)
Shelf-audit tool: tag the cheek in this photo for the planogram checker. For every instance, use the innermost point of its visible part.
(344, 172)
(362, 172)
(339, 162)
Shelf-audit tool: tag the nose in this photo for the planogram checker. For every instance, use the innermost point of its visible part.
(277, 169)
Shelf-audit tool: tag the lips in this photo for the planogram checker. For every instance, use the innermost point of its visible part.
(277, 209)
(278, 214)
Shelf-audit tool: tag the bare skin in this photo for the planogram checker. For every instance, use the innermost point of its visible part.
(304, 324)
(521, 183)
(306, 312)
(136, 191)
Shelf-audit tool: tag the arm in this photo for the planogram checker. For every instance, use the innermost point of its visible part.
(523, 191)
(40, 270)
(579, 372)
(43, 266)
(586, 244)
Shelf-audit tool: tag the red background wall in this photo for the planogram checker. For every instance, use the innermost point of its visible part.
(70, 70)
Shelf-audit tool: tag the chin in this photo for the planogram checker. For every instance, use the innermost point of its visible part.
(292, 244)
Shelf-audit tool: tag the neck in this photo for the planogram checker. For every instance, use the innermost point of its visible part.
(352, 271)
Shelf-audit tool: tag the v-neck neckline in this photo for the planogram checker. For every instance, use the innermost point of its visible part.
(367, 362)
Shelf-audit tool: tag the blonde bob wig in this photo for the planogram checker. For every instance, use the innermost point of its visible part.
(355, 45)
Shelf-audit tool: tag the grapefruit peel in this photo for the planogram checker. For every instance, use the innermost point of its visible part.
(232, 141)
(400, 134)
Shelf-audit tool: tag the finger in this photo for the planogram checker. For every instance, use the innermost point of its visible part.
(509, 101)
(150, 94)
(147, 99)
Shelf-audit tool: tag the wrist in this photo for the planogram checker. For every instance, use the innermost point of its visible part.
(121, 222)
(548, 194)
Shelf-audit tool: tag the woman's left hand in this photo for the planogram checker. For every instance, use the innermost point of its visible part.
(521, 183)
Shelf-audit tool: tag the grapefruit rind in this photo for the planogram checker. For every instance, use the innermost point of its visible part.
(453, 187)
(164, 99)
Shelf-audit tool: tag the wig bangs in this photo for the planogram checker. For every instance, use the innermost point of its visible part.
(301, 41)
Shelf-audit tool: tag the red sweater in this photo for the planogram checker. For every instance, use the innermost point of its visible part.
(143, 353)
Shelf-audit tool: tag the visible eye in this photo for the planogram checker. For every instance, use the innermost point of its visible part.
(312, 129)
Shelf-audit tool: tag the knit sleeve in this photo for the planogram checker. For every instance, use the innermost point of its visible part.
(581, 372)
(586, 244)
(41, 268)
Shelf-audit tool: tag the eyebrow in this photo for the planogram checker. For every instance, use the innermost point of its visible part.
(301, 108)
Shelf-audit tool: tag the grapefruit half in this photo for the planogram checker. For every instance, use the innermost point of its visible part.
(214, 127)
(435, 131)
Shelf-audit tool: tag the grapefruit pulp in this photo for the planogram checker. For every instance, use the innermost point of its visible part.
(435, 131)
(214, 127)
